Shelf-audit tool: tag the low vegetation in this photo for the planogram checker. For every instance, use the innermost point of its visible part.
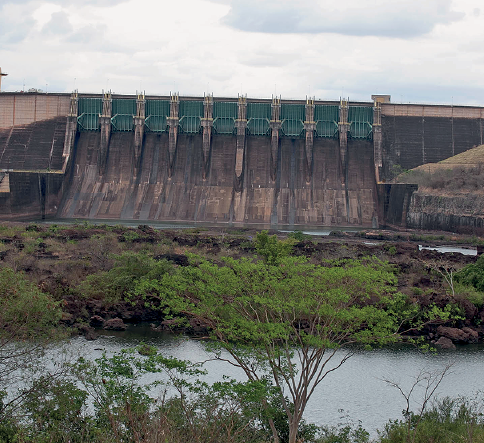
(453, 179)
(272, 304)
(458, 174)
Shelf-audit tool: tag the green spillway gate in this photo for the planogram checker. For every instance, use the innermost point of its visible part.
(292, 118)
(89, 110)
(191, 113)
(326, 118)
(156, 113)
(258, 118)
(122, 115)
(360, 119)
(224, 116)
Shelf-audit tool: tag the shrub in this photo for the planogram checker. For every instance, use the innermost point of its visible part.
(116, 283)
(272, 249)
(472, 274)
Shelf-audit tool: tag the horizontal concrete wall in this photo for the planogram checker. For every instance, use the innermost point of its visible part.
(411, 110)
(329, 190)
(22, 109)
(31, 195)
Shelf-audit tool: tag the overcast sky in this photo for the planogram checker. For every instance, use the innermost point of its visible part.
(429, 51)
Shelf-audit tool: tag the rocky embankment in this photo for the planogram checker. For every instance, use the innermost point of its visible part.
(85, 267)
(461, 212)
(450, 194)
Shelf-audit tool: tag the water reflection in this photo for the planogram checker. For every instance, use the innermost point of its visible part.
(443, 249)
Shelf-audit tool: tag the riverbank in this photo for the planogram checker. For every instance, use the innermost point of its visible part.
(72, 263)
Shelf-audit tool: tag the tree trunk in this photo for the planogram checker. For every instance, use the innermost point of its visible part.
(274, 431)
(293, 426)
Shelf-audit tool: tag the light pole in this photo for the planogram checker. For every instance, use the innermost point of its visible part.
(2, 74)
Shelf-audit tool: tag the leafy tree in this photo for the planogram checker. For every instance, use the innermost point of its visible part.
(56, 409)
(286, 322)
(28, 322)
(195, 412)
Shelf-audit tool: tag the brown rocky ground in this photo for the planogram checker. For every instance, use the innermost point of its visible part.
(59, 258)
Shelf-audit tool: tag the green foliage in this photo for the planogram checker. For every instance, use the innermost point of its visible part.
(272, 249)
(130, 236)
(344, 433)
(227, 411)
(448, 421)
(396, 170)
(26, 313)
(28, 322)
(271, 318)
(391, 249)
(8, 431)
(417, 291)
(122, 278)
(277, 296)
(472, 274)
(299, 236)
(56, 411)
(470, 293)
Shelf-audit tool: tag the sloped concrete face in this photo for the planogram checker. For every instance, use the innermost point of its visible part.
(36, 146)
(146, 189)
(31, 163)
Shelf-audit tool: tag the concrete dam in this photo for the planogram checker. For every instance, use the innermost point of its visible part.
(227, 160)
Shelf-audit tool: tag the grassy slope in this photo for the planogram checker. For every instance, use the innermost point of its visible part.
(461, 175)
(467, 159)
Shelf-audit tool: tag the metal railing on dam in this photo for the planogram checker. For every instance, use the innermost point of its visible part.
(224, 114)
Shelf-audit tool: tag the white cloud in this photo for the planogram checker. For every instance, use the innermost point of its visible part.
(389, 18)
(417, 51)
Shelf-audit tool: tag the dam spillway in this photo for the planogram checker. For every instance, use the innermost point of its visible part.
(144, 189)
(275, 162)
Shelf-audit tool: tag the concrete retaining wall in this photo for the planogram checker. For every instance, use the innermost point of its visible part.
(22, 109)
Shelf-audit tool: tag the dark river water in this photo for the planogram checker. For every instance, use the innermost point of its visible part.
(355, 391)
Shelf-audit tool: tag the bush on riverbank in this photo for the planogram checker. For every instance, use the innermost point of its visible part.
(189, 411)
(447, 421)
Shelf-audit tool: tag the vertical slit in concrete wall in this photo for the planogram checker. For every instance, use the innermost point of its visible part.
(423, 140)
(277, 183)
(292, 179)
(452, 128)
(480, 123)
(347, 196)
(42, 194)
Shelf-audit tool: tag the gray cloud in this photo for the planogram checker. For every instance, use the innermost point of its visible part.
(58, 24)
(14, 31)
(396, 18)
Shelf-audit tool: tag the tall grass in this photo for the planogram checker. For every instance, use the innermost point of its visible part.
(457, 178)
